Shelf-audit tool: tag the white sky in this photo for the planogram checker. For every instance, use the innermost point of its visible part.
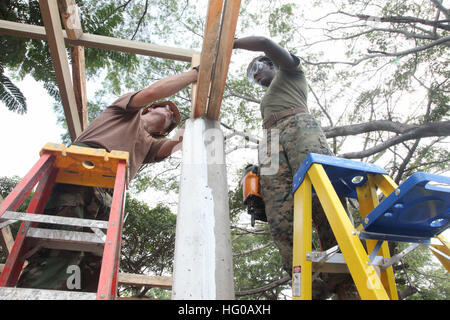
(23, 136)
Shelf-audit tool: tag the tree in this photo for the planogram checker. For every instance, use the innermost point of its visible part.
(148, 242)
(6, 186)
(381, 92)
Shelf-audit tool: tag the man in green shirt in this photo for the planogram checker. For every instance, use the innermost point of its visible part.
(294, 133)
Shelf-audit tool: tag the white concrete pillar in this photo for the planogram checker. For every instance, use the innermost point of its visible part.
(203, 266)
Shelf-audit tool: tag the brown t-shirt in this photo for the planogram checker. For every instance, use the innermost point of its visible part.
(119, 127)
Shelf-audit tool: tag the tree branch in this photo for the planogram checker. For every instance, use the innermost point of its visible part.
(251, 251)
(441, 8)
(434, 129)
(442, 40)
(377, 125)
(377, 54)
(269, 286)
(441, 24)
(141, 19)
(402, 167)
(407, 292)
(241, 96)
(321, 106)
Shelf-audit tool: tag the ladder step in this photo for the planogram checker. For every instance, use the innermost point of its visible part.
(66, 240)
(335, 263)
(45, 218)
(41, 294)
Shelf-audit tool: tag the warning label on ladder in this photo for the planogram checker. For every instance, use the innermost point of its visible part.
(297, 281)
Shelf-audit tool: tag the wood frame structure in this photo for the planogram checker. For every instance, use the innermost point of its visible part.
(203, 267)
(207, 93)
(215, 57)
(55, 39)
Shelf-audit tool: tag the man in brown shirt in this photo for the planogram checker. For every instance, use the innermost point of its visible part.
(126, 126)
(133, 123)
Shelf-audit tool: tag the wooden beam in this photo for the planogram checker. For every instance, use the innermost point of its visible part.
(195, 62)
(72, 23)
(215, 57)
(208, 54)
(145, 280)
(22, 30)
(226, 40)
(71, 18)
(6, 239)
(16, 29)
(79, 83)
(138, 280)
(55, 38)
(131, 46)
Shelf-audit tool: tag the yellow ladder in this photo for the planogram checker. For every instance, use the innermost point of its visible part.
(412, 212)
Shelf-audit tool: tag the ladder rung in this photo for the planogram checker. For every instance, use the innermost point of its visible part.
(335, 263)
(397, 238)
(44, 218)
(41, 294)
(66, 240)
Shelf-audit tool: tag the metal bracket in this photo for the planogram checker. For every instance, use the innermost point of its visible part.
(320, 259)
(375, 250)
(387, 262)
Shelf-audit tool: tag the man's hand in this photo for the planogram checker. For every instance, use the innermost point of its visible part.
(171, 145)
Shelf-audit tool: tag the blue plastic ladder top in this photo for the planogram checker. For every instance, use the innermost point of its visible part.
(345, 175)
(416, 209)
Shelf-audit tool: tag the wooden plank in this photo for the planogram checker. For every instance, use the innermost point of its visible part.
(195, 62)
(131, 46)
(71, 19)
(226, 40)
(22, 30)
(79, 83)
(16, 29)
(208, 54)
(145, 280)
(55, 38)
(72, 23)
(6, 239)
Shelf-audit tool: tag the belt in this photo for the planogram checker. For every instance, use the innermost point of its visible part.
(282, 114)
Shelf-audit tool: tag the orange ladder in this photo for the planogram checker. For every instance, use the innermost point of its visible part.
(77, 166)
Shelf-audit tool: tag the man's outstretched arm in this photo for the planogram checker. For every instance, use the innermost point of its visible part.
(163, 88)
(279, 56)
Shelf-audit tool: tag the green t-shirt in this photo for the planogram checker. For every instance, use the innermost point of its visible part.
(287, 90)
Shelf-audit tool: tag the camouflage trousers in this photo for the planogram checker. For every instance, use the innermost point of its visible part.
(297, 136)
(52, 268)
